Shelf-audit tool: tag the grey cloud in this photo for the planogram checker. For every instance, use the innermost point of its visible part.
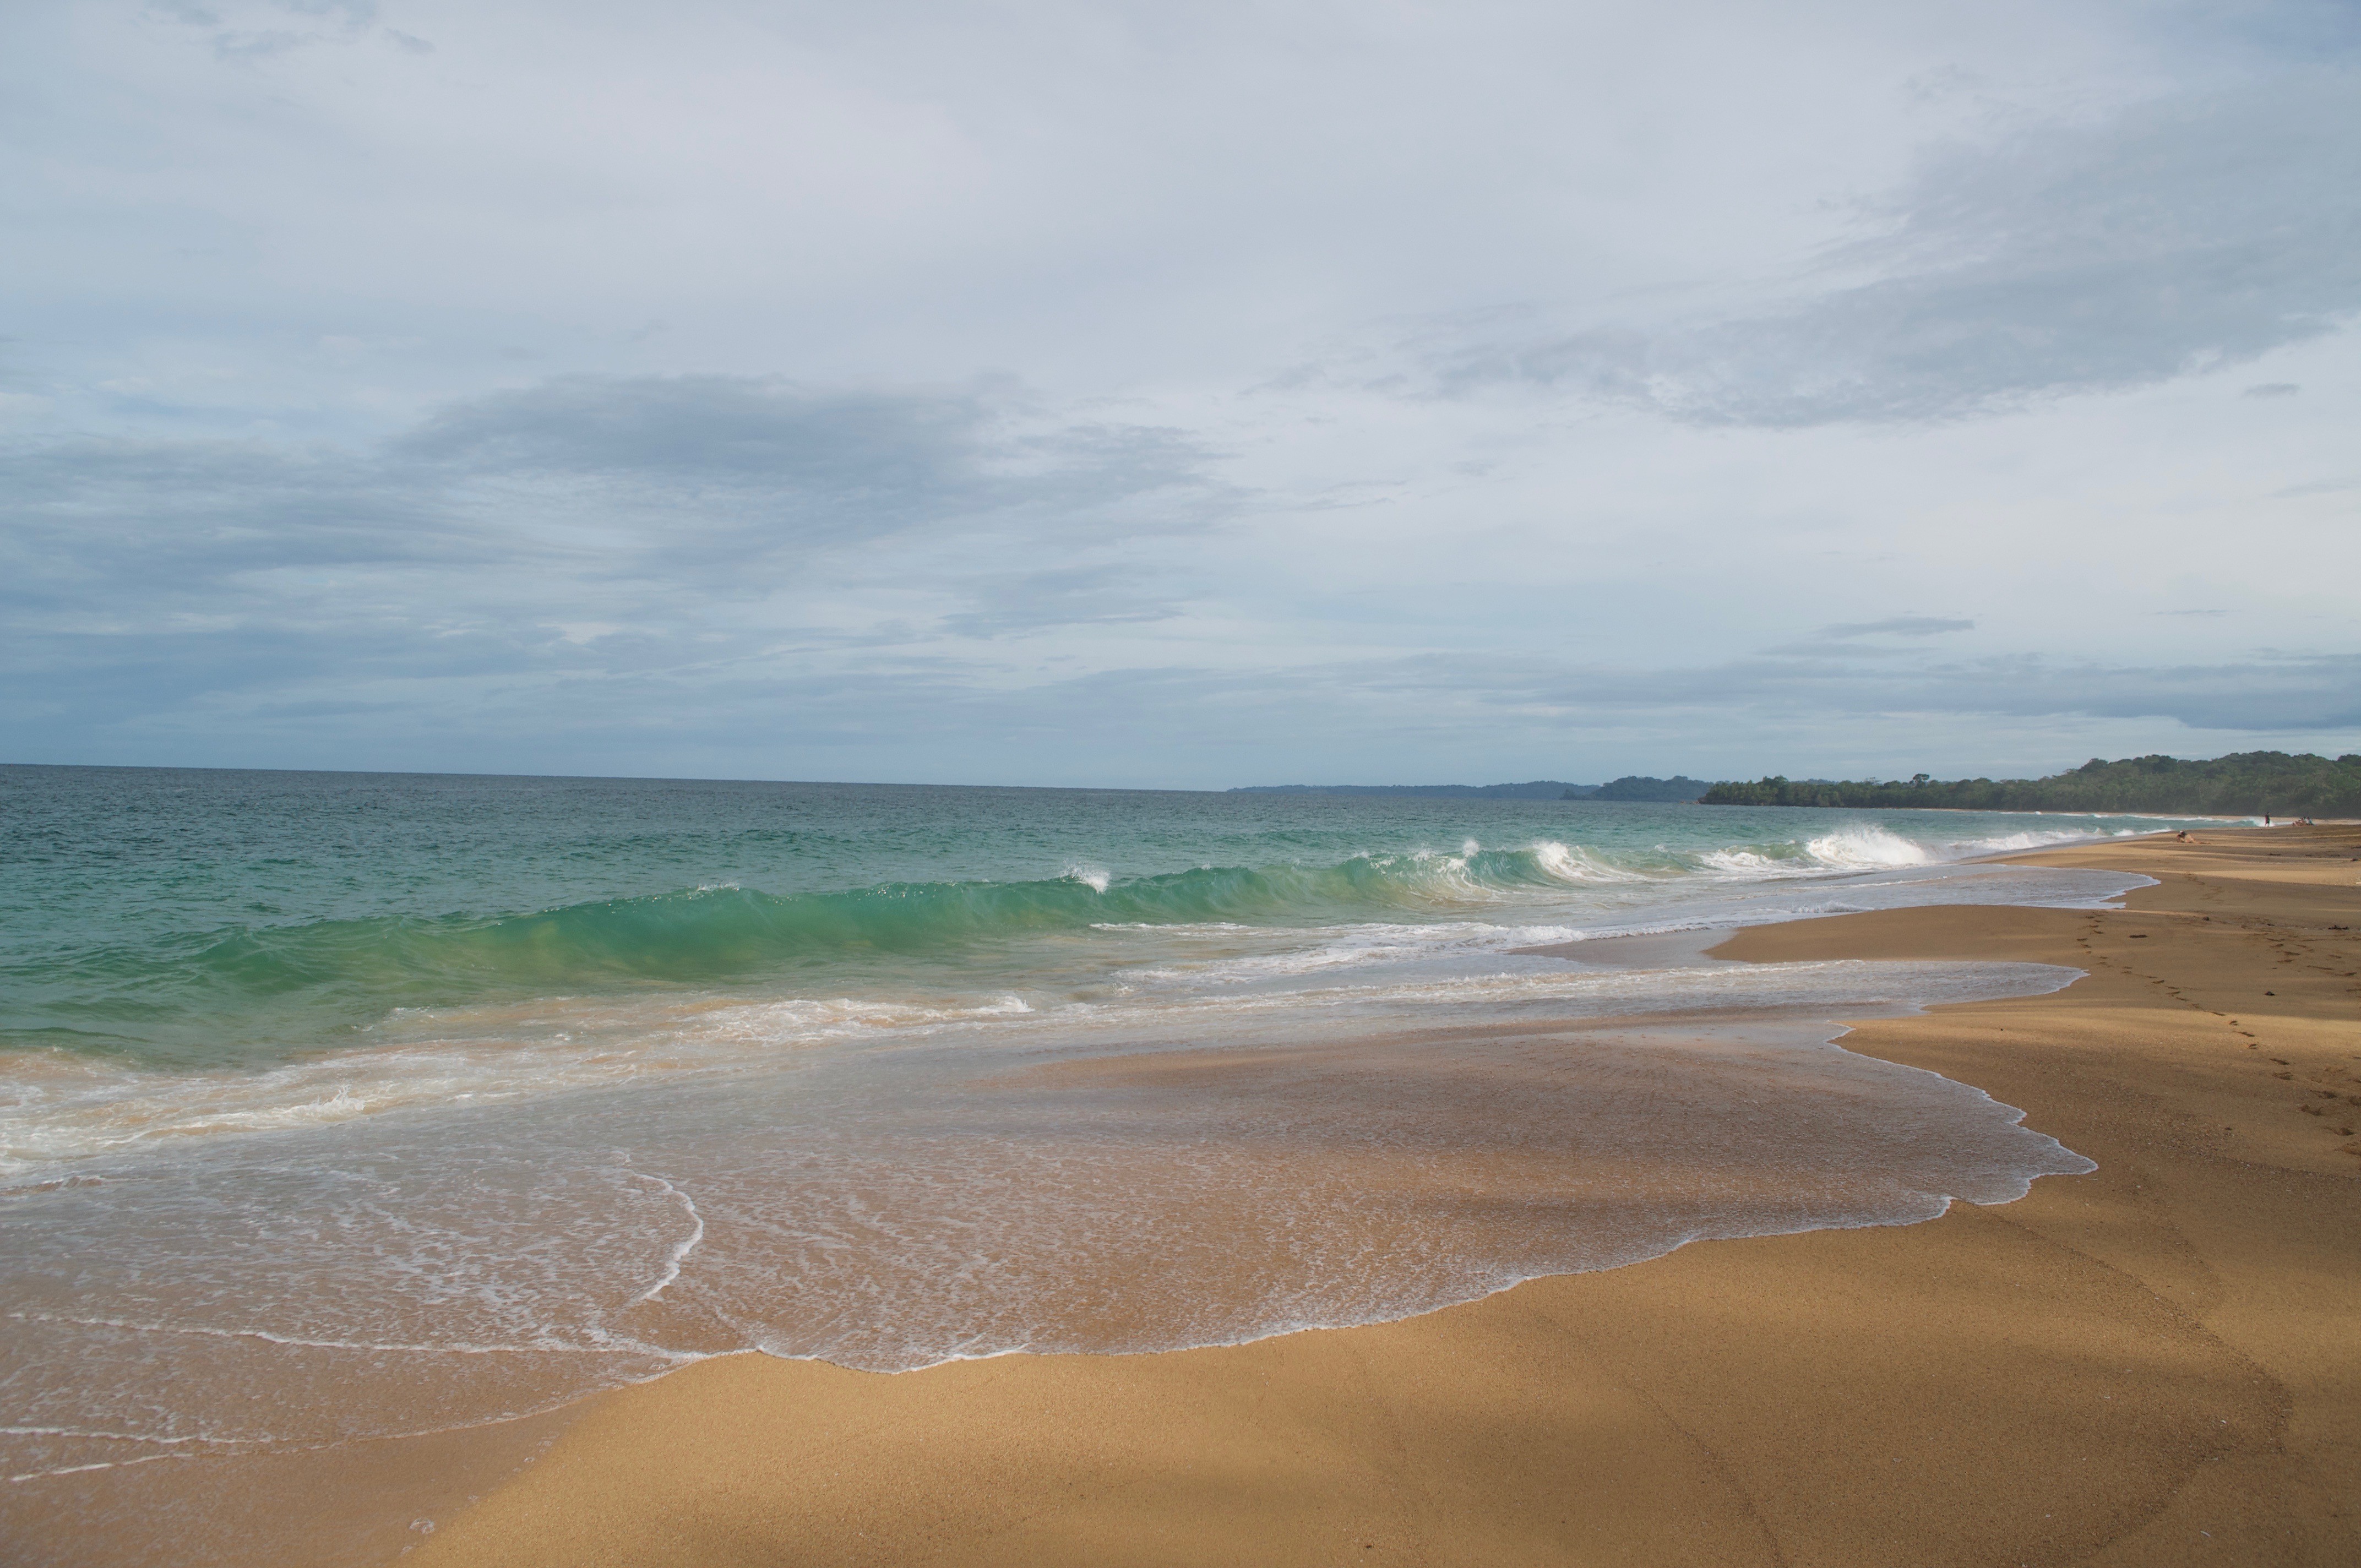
(1463, 702)
(1074, 596)
(252, 31)
(765, 460)
(2189, 233)
(130, 528)
(713, 429)
(806, 464)
(2276, 694)
(1899, 626)
(2272, 389)
(577, 530)
(497, 693)
(1869, 640)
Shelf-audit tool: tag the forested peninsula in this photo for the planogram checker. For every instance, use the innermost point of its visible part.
(2247, 783)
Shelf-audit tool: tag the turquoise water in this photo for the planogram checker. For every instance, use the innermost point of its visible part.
(203, 918)
(337, 1107)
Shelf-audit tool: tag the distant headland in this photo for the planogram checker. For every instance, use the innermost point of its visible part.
(2246, 784)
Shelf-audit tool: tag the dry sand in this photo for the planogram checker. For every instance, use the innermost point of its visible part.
(2157, 1363)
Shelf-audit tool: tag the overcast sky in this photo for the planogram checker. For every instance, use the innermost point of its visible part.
(1192, 395)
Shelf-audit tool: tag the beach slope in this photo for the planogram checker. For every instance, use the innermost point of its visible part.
(2158, 1363)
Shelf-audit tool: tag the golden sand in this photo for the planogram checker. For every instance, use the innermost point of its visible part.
(2159, 1363)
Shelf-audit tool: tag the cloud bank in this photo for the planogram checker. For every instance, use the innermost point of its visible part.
(2176, 238)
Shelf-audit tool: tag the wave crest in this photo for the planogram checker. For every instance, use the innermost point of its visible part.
(322, 979)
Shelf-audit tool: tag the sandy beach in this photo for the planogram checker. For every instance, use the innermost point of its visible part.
(2158, 1363)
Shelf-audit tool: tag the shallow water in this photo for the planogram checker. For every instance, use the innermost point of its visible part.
(341, 1108)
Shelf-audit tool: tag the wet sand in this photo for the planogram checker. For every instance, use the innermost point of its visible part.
(2159, 1363)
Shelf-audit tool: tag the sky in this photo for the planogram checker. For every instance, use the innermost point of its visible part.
(1139, 394)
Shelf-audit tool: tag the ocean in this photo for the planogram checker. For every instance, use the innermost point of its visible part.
(339, 1107)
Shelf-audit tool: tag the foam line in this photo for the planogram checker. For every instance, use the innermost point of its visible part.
(681, 1251)
(128, 1326)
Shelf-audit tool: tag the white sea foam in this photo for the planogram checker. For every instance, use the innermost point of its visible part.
(2003, 843)
(55, 1106)
(1867, 847)
(1345, 946)
(1571, 864)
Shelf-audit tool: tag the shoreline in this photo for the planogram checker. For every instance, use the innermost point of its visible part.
(2157, 1362)
(2077, 1375)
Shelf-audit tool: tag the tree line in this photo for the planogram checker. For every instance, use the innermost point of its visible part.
(2247, 783)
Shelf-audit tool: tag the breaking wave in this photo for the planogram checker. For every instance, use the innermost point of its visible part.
(321, 977)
